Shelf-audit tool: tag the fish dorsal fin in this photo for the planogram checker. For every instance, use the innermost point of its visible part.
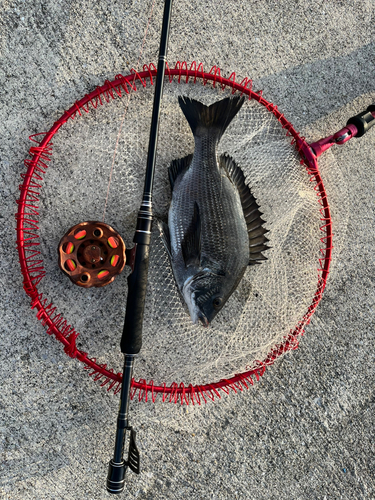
(213, 119)
(254, 222)
(178, 167)
(191, 244)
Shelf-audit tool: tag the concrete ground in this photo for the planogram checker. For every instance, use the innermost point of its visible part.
(306, 429)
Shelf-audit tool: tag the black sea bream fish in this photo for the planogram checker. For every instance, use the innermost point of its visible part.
(214, 226)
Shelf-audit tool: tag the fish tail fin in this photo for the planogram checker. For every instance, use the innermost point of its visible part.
(214, 118)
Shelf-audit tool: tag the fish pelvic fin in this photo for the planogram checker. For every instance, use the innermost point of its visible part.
(166, 238)
(191, 244)
(252, 214)
(178, 167)
(214, 119)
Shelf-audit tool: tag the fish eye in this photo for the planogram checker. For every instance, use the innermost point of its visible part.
(217, 302)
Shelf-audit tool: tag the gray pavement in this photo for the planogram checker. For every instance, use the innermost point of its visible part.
(306, 429)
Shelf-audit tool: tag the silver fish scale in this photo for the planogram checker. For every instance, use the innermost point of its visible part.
(224, 237)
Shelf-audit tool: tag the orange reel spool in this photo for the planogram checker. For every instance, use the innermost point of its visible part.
(91, 254)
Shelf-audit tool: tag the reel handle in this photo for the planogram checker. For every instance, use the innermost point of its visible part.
(131, 341)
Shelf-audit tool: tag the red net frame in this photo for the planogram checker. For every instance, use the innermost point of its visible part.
(32, 263)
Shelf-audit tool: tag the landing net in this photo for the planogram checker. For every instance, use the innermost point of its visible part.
(66, 183)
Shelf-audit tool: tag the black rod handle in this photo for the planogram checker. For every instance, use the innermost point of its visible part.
(363, 121)
(131, 341)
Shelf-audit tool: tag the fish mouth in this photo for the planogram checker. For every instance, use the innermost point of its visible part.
(203, 320)
(197, 316)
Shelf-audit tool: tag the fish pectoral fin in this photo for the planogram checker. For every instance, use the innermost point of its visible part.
(250, 207)
(178, 167)
(166, 238)
(212, 266)
(191, 243)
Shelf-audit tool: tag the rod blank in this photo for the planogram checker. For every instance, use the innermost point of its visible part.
(131, 341)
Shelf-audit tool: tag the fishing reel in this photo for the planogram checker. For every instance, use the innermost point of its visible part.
(91, 254)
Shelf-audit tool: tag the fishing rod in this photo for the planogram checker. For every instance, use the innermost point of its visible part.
(131, 341)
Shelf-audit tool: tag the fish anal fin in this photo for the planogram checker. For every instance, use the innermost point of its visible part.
(191, 244)
(178, 167)
(250, 207)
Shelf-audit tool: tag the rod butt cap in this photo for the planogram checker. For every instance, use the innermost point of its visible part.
(116, 477)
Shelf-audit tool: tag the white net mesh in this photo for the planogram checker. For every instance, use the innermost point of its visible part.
(271, 298)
